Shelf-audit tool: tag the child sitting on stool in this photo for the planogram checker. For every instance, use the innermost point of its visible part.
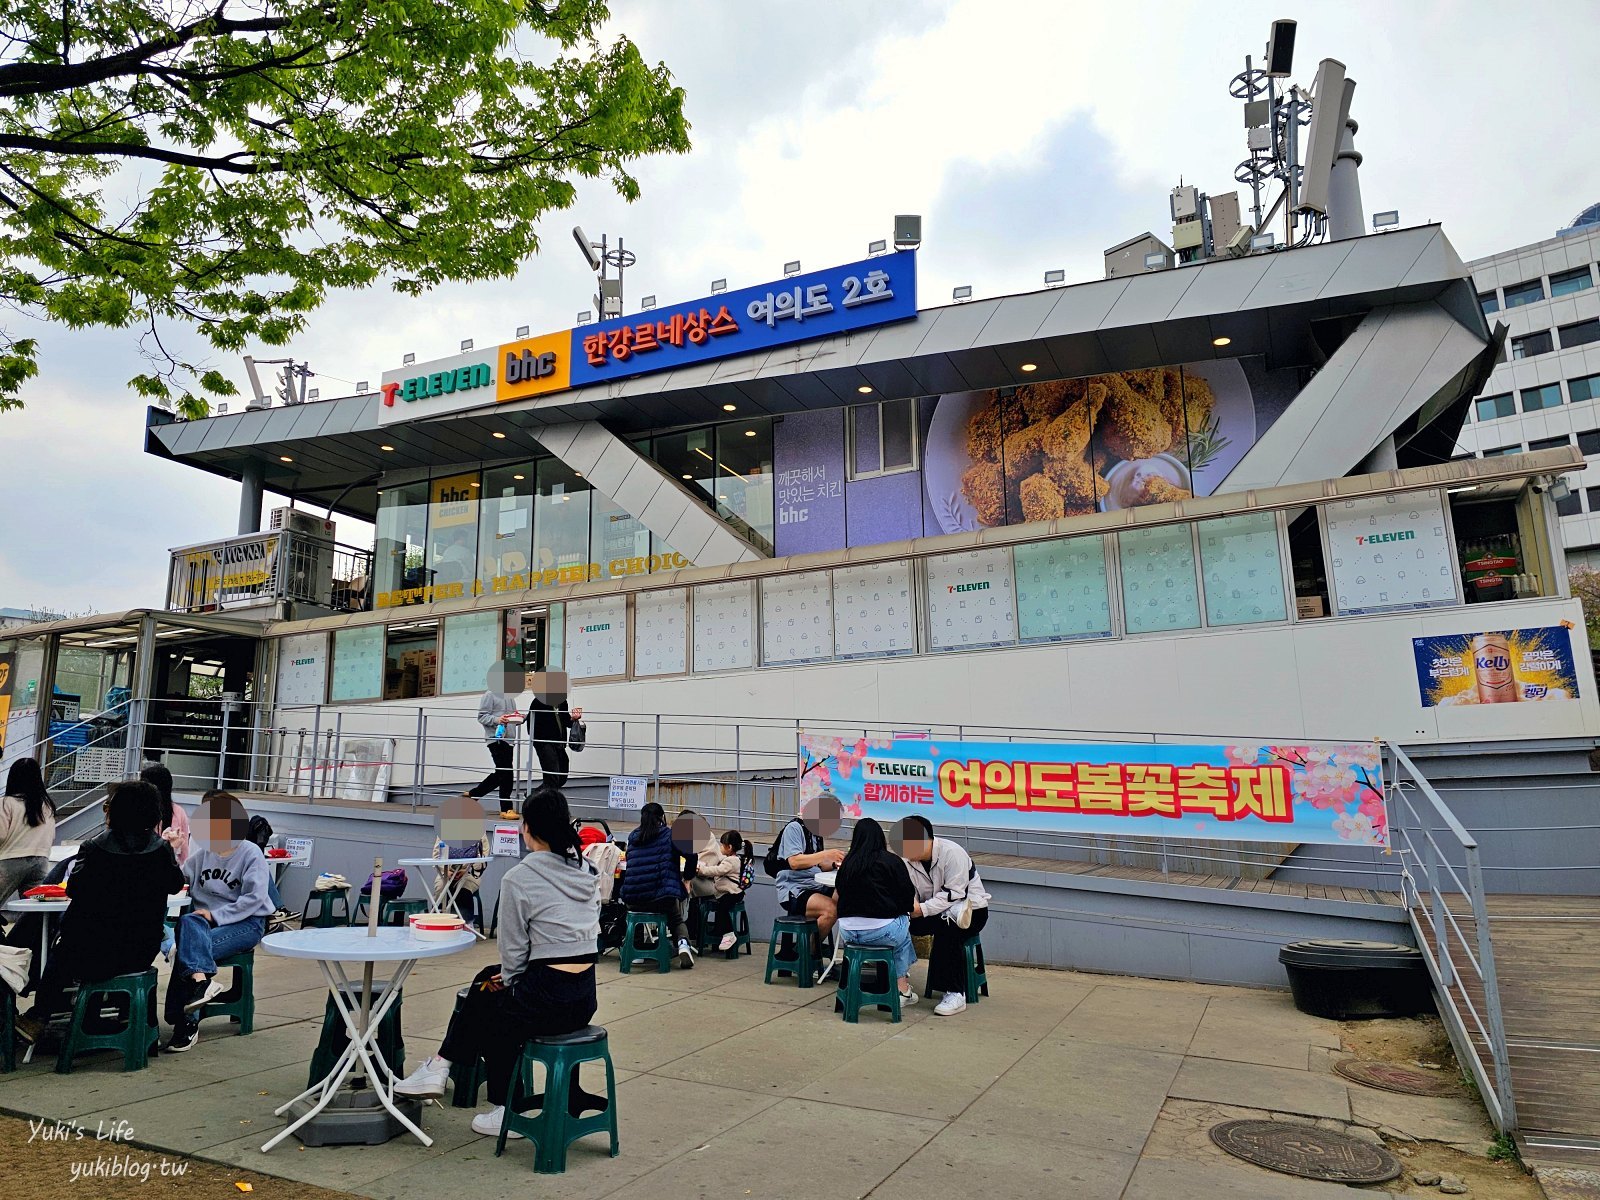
(717, 875)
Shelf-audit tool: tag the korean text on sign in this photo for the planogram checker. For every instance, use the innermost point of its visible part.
(693, 329)
(1121, 789)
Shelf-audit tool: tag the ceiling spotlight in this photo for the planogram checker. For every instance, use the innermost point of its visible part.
(791, 268)
(499, 435)
(284, 458)
(730, 407)
(474, 483)
(1029, 367)
(749, 433)
(1051, 277)
(519, 477)
(964, 292)
(865, 389)
(718, 286)
(385, 447)
(522, 331)
(881, 246)
(408, 360)
(688, 476)
(466, 345)
(579, 474)
(1222, 341)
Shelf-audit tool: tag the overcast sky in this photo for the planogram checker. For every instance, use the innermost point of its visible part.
(1028, 135)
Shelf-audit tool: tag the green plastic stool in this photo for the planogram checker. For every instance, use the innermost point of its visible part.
(705, 907)
(977, 976)
(797, 932)
(661, 955)
(325, 915)
(851, 994)
(466, 1078)
(135, 1036)
(8, 1029)
(553, 1128)
(391, 1042)
(239, 1001)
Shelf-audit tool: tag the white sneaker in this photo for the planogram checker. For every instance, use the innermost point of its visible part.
(685, 955)
(214, 988)
(729, 940)
(950, 1004)
(908, 998)
(488, 1124)
(429, 1079)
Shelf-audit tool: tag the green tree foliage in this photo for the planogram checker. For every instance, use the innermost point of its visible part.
(220, 165)
(1585, 584)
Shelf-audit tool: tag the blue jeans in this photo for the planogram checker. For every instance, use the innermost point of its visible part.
(199, 945)
(896, 936)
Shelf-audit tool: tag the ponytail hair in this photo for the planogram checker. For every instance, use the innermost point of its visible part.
(547, 817)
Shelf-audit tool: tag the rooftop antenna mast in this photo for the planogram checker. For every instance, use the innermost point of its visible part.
(1274, 112)
(601, 257)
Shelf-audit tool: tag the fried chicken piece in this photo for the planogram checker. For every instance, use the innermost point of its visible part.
(984, 484)
(1049, 399)
(1041, 500)
(983, 435)
(1067, 436)
(1081, 486)
(1130, 425)
(1158, 489)
(1199, 401)
(1024, 452)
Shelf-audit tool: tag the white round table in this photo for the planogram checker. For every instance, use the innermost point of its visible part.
(280, 865)
(825, 878)
(450, 882)
(331, 948)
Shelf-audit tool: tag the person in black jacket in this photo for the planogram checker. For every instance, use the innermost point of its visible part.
(875, 896)
(118, 887)
(550, 725)
(653, 881)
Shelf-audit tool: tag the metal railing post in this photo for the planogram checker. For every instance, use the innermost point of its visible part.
(656, 769)
(622, 758)
(422, 746)
(316, 745)
(336, 748)
(1491, 992)
(1441, 935)
(416, 764)
(738, 772)
(222, 747)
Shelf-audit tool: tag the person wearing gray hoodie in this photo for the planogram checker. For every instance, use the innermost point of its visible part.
(544, 983)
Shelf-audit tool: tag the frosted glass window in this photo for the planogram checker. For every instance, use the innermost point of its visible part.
(724, 626)
(797, 618)
(597, 637)
(1062, 590)
(1158, 584)
(357, 664)
(473, 642)
(1242, 566)
(661, 633)
(872, 610)
(971, 600)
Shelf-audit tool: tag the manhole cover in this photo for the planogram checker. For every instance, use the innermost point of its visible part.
(1306, 1151)
(1392, 1077)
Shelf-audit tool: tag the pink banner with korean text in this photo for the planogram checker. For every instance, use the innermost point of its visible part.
(1329, 793)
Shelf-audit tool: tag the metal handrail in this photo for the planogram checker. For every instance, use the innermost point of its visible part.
(1424, 862)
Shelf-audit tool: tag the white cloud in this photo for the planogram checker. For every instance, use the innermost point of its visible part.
(1029, 135)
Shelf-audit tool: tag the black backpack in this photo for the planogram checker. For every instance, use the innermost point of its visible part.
(772, 864)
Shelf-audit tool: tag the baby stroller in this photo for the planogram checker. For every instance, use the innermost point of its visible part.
(604, 854)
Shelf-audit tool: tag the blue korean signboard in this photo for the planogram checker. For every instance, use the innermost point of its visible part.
(820, 304)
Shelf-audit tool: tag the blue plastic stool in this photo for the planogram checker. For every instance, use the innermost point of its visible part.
(553, 1127)
(661, 955)
(852, 993)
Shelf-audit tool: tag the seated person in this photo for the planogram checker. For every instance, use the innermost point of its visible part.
(801, 855)
(544, 983)
(27, 828)
(951, 905)
(875, 899)
(470, 876)
(118, 886)
(653, 881)
(717, 871)
(228, 887)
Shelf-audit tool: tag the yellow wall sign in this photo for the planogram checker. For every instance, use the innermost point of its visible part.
(454, 500)
(534, 366)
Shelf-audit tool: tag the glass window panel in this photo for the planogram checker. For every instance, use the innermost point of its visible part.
(1589, 441)
(1242, 566)
(872, 610)
(899, 435)
(1548, 396)
(724, 622)
(690, 458)
(1576, 280)
(618, 541)
(505, 528)
(1488, 302)
(1585, 387)
(411, 662)
(1490, 407)
(556, 637)
(971, 600)
(1549, 443)
(473, 643)
(660, 633)
(401, 531)
(797, 618)
(1158, 584)
(1569, 505)
(1524, 293)
(1592, 495)
(744, 478)
(597, 637)
(1583, 333)
(1062, 589)
(453, 533)
(561, 521)
(1502, 451)
(865, 449)
(1532, 343)
(357, 664)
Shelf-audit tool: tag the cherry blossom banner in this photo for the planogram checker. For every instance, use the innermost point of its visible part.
(1327, 792)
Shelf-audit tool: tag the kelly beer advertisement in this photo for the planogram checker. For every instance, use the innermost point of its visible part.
(1328, 792)
(1503, 666)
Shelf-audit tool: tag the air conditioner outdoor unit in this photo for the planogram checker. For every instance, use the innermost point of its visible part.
(297, 520)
